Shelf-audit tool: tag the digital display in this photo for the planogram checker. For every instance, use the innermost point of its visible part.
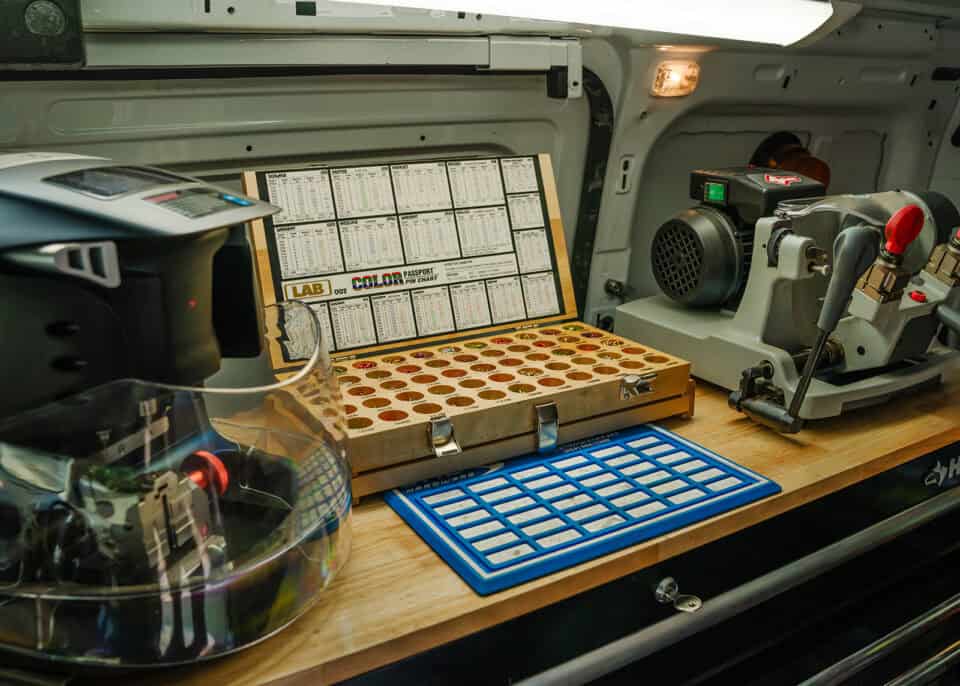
(198, 202)
(109, 182)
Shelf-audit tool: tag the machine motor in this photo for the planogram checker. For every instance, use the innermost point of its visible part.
(804, 305)
(701, 257)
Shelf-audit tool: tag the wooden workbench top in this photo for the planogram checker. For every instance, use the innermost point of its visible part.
(396, 598)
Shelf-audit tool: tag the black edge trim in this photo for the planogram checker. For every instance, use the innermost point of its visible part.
(594, 174)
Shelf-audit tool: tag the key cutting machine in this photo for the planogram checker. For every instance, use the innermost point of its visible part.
(145, 519)
(803, 306)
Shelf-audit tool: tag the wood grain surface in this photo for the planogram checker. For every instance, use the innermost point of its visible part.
(396, 598)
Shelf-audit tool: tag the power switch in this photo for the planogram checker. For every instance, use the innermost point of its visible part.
(918, 296)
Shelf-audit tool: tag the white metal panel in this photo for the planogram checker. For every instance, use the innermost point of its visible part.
(198, 50)
(130, 50)
(946, 177)
(224, 125)
(281, 16)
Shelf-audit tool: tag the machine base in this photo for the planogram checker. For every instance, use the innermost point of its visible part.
(719, 352)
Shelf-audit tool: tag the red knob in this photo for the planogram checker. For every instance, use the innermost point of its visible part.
(904, 226)
(203, 465)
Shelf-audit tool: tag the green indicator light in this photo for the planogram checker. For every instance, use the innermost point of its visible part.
(714, 192)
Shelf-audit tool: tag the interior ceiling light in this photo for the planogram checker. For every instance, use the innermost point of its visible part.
(675, 78)
(778, 22)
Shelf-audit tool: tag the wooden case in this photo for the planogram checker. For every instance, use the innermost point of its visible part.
(430, 405)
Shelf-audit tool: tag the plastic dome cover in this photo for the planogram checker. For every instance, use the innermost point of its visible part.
(143, 524)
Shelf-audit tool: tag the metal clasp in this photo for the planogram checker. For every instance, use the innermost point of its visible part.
(635, 385)
(548, 427)
(442, 440)
(668, 592)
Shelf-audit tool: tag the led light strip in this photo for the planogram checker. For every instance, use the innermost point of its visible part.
(779, 22)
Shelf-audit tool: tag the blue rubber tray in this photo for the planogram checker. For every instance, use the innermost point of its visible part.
(532, 516)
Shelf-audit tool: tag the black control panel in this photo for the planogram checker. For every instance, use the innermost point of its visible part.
(753, 191)
(194, 203)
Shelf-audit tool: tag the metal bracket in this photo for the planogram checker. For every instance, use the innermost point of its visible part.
(548, 427)
(635, 385)
(538, 53)
(442, 440)
(668, 593)
(494, 52)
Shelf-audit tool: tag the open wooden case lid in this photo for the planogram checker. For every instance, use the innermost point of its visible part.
(395, 256)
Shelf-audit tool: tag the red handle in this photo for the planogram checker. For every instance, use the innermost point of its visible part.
(904, 226)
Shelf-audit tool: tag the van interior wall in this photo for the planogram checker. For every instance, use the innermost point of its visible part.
(218, 126)
(221, 125)
(864, 99)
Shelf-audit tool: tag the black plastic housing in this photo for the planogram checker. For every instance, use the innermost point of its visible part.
(754, 192)
(63, 335)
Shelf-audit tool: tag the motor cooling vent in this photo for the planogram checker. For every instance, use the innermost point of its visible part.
(677, 260)
(698, 257)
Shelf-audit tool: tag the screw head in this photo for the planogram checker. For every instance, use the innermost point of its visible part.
(44, 18)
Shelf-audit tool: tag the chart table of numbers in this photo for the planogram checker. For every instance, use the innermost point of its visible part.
(392, 253)
(536, 515)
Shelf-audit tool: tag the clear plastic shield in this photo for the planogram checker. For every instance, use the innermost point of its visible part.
(144, 525)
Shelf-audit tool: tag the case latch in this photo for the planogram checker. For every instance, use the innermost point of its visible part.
(548, 427)
(635, 385)
(442, 440)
